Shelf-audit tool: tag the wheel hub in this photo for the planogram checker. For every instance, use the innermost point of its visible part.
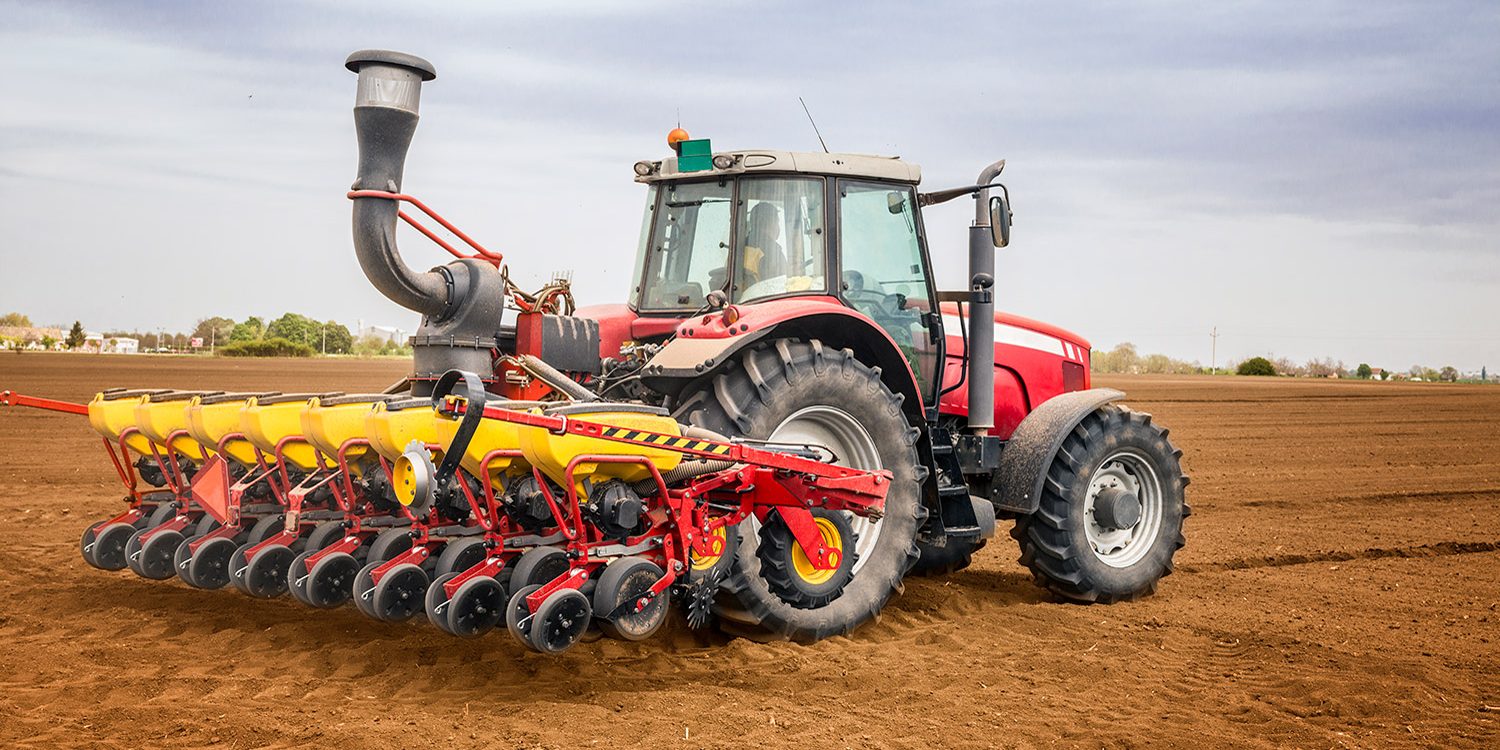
(1117, 508)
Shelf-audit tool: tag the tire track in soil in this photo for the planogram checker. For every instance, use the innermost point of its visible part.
(1237, 649)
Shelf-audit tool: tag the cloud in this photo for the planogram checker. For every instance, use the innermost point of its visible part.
(1173, 165)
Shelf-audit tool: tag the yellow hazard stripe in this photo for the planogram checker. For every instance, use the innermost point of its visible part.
(702, 446)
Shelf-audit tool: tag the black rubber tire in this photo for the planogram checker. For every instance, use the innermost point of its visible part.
(265, 528)
(560, 621)
(297, 576)
(109, 546)
(400, 593)
(163, 513)
(182, 560)
(777, 549)
(623, 580)
(752, 396)
(1053, 541)
(516, 611)
(538, 566)
(155, 559)
(388, 544)
(324, 534)
(437, 597)
(476, 608)
(952, 557)
(330, 583)
(209, 566)
(265, 577)
(364, 590)
(206, 524)
(86, 542)
(459, 555)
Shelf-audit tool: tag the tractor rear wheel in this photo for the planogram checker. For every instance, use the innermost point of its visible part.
(1111, 511)
(802, 392)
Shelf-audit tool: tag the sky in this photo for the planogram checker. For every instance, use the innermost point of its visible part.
(1318, 179)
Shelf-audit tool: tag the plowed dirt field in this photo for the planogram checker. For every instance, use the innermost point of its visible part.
(1340, 588)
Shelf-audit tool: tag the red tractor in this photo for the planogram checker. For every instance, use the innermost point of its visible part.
(786, 300)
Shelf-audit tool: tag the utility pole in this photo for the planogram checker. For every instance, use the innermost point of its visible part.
(1214, 366)
(325, 340)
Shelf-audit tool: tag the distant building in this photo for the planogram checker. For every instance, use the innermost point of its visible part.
(96, 342)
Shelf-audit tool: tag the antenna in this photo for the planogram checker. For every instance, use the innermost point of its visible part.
(814, 124)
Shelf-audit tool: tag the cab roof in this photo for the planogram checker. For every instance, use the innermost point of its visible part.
(754, 161)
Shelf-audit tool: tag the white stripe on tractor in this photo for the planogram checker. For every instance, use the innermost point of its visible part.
(1013, 335)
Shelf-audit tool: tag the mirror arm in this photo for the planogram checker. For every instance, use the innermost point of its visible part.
(943, 196)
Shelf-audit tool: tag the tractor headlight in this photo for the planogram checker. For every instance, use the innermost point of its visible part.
(723, 161)
(644, 168)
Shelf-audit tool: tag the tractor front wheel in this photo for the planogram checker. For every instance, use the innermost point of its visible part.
(1111, 510)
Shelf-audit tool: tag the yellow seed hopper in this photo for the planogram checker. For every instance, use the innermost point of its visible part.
(112, 413)
(210, 419)
(491, 435)
(270, 420)
(552, 453)
(330, 423)
(163, 418)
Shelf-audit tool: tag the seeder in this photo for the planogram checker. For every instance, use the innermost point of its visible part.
(784, 420)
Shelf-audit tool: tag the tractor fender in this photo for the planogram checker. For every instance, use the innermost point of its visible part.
(704, 343)
(1028, 453)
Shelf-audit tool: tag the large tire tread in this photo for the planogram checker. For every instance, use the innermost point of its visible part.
(1046, 537)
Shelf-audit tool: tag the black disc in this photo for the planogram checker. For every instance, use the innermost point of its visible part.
(518, 618)
(460, 555)
(476, 608)
(538, 566)
(364, 590)
(109, 545)
(400, 593)
(436, 602)
(208, 568)
(161, 514)
(627, 580)
(133, 550)
(239, 562)
(560, 621)
(331, 581)
(297, 576)
(265, 528)
(265, 576)
(155, 559)
(182, 558)
(324, 534)
(206, 524)
(86, 542)
(388, 544)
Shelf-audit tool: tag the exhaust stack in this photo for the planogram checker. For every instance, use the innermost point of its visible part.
(982, 309)
(461, 302)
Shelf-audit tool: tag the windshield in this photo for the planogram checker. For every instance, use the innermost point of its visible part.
(774, 224)
(689, 245)
(780, 242)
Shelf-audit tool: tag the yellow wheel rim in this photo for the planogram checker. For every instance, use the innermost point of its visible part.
(402, 481)
(804, 566)
(701, 564)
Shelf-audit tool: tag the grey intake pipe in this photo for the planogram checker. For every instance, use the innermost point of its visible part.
(385, 117)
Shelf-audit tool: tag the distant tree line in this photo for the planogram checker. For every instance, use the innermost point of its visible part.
(291, 335)
(1125, 358)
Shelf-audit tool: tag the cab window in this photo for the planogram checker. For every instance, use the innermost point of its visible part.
(690, 245)
(882, 274)
(781, 237)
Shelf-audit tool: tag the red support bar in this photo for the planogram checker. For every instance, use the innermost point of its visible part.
(479, 251)
(11, 398)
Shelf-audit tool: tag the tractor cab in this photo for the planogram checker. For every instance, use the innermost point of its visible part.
(765, 226)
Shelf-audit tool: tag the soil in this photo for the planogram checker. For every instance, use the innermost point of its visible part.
(1340, 588)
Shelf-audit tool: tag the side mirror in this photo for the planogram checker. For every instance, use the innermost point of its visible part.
(1000, 218)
